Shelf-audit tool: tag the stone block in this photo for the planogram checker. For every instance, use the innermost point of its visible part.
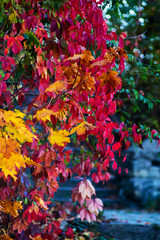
(149, 151)
(142, 173)
(155, 172)
(156, 184)
(142, 163)
(129, 231)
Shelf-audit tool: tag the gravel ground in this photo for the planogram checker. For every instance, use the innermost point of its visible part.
(132, 217)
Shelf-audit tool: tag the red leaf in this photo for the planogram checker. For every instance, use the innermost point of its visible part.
(19, 38)
(112, 107)
(114, 166)
(67, 153)
(124, 159)
(56, 224)
(6, 51)
(69, 233)
(116, 146)
(7, 76)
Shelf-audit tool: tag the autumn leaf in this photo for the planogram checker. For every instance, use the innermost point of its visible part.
(81, 128)
(60, 137)
(38, 237)
(79, 79)
(41, 203)
(94, 205)
(11, 158)
(110, 78)
(86, 189)
(5, 237)
(61, 114)
(86, 57)
(10, 207)
(56, 86)
(43, 114)
(14, 125)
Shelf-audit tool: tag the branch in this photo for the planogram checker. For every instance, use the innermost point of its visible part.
(134, 37)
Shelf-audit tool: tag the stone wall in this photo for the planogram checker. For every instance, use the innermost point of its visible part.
(143, 179)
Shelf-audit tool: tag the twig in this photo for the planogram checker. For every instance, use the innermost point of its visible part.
(134, 37)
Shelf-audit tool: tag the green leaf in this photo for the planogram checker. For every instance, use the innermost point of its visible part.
(150, 105)
(136, 93)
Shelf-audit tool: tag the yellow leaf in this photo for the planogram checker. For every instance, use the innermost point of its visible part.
(13, 18)
(10, 157)
(10, 207)
(60, 137)
(36, 238)
(56, 86)
(43, 114)
(81, 128)
(41, 203)
(15, 126)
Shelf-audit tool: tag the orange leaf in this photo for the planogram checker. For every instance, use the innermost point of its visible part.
(56, 86)
(10, 207)
(81, 128)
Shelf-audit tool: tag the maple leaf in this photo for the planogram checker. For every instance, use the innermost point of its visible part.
(94, 205)
(10, 207)
(15, 43)
(41, 203)
(110, 78)
(15, 126)
(43, 114)
(86, 214)
(60, 137)
(86, 189)
(11, 158)
(56, 86)
(20, 225)
(86, 57)
(79, 79)
(61, 114)
(81, 128)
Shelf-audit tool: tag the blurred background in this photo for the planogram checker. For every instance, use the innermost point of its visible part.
(140, 19)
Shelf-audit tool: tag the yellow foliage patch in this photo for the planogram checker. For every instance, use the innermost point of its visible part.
(60, 137)
(81, 128)
(14, 125)
(11, 158)
(56, 86)
(43, 114)
(10, 207)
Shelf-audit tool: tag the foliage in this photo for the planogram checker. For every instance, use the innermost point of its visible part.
(60, 86)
